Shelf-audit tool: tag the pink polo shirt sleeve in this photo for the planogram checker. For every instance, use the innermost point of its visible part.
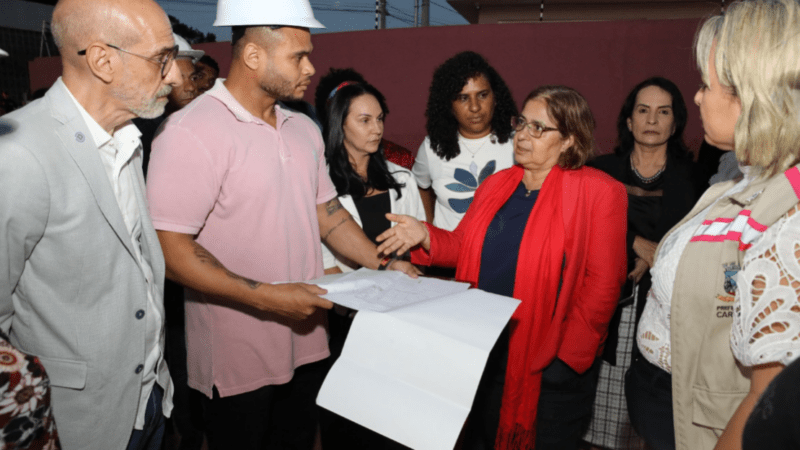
(183, 183)
(327, 190)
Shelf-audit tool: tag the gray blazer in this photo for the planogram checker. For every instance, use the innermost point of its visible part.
(70, 285)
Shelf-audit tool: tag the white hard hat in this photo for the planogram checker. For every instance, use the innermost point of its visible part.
(3, 52)
(185, 50)
(295, 13)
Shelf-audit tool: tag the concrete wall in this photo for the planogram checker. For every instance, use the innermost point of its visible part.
(522, 11)
(594, 11)
(603, 60)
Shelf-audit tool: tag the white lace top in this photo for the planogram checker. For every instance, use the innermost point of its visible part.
(766, 320)
(653, 337)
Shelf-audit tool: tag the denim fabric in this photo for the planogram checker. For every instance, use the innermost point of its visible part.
(151, 437)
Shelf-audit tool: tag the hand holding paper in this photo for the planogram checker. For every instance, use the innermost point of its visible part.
(411, 371)
(297, 300)
(371, 290)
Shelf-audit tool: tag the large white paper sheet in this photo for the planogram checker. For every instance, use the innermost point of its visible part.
(384, 291)
(411, 373)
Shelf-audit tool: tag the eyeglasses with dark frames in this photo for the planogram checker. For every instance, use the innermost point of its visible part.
(164, 60)
(535, 129)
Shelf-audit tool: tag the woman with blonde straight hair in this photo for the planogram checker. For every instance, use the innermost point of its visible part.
(723, 316)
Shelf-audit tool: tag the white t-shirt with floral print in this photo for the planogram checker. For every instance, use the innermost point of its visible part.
(454, 182)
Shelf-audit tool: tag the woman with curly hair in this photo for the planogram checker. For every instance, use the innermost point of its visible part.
(469, 136)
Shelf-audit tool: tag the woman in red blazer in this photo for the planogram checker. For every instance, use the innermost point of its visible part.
(551, 233)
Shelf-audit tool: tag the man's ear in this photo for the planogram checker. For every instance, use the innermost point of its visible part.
(253, 56)
(99, 60)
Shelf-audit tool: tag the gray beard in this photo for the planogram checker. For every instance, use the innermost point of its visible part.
(155, 107)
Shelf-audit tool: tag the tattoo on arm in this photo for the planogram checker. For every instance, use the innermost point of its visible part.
(332, 206)
(207, 258)
(345, 219)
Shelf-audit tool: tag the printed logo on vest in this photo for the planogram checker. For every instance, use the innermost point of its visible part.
(729, 270)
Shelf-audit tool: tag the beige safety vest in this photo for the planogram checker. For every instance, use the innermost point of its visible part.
(707, 382)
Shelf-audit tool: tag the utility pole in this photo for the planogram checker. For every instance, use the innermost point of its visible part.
(380, 14)
(416, 13)
(426, 7)
(43, 41)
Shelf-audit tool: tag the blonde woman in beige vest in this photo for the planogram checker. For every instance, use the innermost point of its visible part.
(723, 316)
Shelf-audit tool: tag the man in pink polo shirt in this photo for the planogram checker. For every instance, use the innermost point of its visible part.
(240, 195)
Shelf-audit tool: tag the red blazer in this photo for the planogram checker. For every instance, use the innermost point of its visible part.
(594, 212)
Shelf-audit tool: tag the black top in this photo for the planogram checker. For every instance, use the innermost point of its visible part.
(501, 243)
(372, 211)
(645, 201)
(653, 209)
(148, 128)
(773, 424)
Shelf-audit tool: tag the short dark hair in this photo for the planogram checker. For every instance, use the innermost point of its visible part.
(570, 111)
(344, 177)
(210, 62)
(675, 144)
(239, 31)
(328, 83)
(448, 81)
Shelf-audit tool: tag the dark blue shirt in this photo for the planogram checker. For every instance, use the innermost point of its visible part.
(501, 244)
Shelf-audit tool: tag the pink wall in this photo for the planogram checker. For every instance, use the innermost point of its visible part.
(602, 60)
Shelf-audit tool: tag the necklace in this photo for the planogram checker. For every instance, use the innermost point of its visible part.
(648, 179)
(528, 192)
(463, 141)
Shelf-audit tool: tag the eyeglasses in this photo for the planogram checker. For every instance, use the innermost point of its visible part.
(535, 129)
(164, 60)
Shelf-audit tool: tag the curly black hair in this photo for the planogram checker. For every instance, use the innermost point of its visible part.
(448, 81)
(675, 144)
(344, 177)
(328, 83)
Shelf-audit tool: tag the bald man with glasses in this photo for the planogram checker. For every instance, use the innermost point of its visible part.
(81, 269)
